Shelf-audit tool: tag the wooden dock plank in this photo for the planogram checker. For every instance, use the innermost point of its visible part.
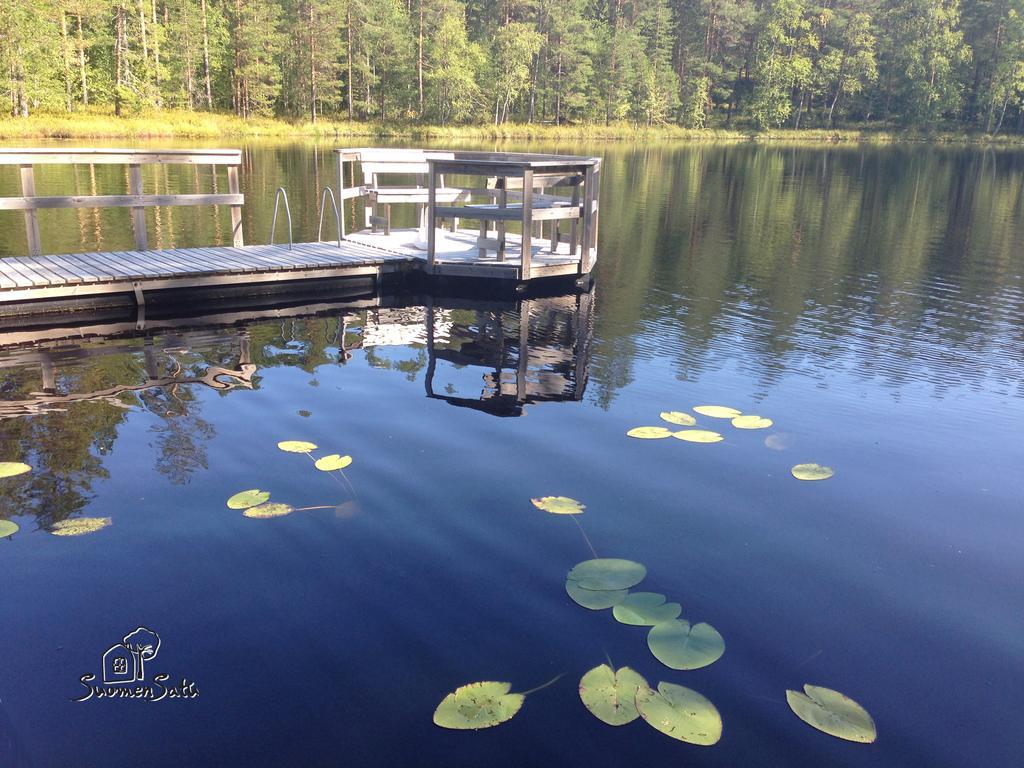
(141, 263)
(39, 275)
(246, 258)
(6, 282)
(240, 259)
(15, 272)
(228, 262)
(66, 275)
(335, 255)
(116, 262)
(99, 267)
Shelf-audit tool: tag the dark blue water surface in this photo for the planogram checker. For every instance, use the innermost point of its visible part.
(870, 302)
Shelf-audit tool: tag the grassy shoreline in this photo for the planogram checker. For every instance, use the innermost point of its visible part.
(201, 125)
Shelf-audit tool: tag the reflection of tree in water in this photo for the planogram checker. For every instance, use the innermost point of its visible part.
(182, 433)
(65, 427)
(900, 265)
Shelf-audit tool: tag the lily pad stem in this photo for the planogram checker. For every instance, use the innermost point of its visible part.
(552, 681)
(585, 537)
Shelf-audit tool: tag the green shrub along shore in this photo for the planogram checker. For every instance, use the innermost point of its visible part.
(201, 125)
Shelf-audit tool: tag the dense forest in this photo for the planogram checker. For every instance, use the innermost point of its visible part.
(697, 63)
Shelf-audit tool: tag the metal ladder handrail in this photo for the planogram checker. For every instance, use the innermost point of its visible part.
(288, 211)
(337, 215)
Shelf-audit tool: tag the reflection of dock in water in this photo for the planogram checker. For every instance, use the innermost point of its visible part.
(494, 356)
(538, 354)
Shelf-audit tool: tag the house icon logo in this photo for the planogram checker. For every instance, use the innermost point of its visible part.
(126, 661)
(124, 673)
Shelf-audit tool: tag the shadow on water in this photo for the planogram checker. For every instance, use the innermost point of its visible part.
(79, 377)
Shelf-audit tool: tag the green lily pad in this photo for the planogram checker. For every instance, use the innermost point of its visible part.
(698, 436)
(717, 411)
(751, 422)
(7, 528)
(812, 472)
(681, 418)
(333, 462)
(79, 526)
(594, 599)
(649, 433)
(12, 468)
(611, 695)
(833, 713)
(249, 498)
(296, 446)
(478, 705)
(263, 511)
(608, 573)
(645, 609)
(559, 505)
(679, 645)
(681, 713)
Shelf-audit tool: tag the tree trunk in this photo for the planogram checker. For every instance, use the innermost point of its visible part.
(206, 57)
(81, 62)
(558, 91)
(312, 66)
(832, 107)
(156, 55)
(118, 57)
(348, 29)
(66, 55)
(1001, 115)
(237, 76)
(142, 27)
(419, 57)
(190, 86)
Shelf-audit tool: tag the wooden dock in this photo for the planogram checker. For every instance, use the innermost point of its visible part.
(485, 252)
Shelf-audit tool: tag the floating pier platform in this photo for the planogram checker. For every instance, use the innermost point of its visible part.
(532, 216)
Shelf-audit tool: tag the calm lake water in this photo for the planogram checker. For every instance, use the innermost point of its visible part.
(869, 301)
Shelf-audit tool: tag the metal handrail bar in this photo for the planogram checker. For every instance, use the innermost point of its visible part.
(288, 211)
(337, 215)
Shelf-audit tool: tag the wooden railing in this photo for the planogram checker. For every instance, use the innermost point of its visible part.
(135, 199)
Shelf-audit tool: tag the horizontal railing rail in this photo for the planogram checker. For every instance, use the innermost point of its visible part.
(29, 203)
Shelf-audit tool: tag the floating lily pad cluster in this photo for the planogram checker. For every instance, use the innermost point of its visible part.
(255, 502)
(684, 419)
(618, 697)
(737, 418)
(605, 583)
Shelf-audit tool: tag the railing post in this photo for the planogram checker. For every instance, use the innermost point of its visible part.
(589, 217)
(527, 223)
(28, 189)
(431, 215)
(138, 211)
(236, 210)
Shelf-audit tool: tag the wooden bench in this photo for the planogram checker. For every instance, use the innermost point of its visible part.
(26, 159)
(379, 168)
(386, 174)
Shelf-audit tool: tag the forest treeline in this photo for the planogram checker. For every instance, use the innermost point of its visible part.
(697, 63)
